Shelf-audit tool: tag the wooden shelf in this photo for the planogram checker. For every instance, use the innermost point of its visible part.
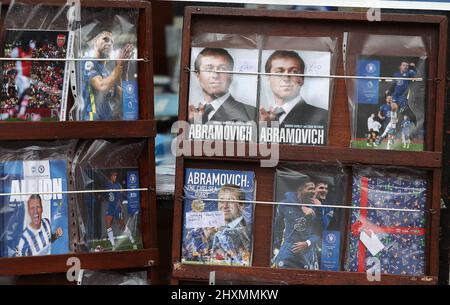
(92, 261)
(332, 154)
(290, 276)
(284, 23)
(321, 16)
(77, 130)
(144, 129)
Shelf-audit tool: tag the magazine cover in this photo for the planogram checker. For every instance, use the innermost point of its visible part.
(113, 218)
(396, 239)
(294, 107)
(218, 232)
(390, 114)
(35, 224)
(109, 88)
(222, 105)
(308, 237)
(35, 90)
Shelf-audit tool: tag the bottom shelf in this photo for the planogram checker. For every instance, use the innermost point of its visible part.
(92, 261)
(268, 275)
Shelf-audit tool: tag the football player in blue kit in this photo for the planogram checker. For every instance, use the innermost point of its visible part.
(114, 210)
(399, 89)
(297, 230)
(384, 113)
(102, 88)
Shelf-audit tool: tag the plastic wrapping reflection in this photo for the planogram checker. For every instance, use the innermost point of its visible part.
(308, 237)
(109, 217)
(387, 114)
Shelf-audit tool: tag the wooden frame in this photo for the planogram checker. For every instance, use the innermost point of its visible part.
(144, 128)
(289, 23)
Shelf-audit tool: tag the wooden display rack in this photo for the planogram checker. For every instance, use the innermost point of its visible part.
(144, 128)
(314, 24)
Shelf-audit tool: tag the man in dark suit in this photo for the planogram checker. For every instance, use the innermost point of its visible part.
(218, 104)
(289, 108)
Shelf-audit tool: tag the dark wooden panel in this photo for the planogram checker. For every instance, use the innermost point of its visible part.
(93, 261)
(333, 154)
(162, 16)
(145, 129)
(313, 24)
(76, 130)
(435, 215)
(289, 276)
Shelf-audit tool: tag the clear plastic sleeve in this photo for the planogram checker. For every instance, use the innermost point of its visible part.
(388, 241)
(106, 87)
(34, 90)
(223, 87)
(228, 87)
(308, 237)
(295, 106)
(387, 113)
(34, 205)
(108, 215)
(218, 217)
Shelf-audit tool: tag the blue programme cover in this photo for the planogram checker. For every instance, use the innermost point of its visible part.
(35, 224)
(112, 217)
(402, 234)
(390, 114)
(308, 237)
(218, 232)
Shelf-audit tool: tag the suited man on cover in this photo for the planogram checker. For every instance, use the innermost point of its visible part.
(218, 104)
(288, 107)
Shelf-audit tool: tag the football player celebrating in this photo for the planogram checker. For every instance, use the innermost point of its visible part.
(37, 237)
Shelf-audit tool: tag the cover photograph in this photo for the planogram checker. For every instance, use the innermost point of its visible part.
(112, 219)
(35, 90)
(294, 107)
(109, 88)
(217, 227)
(308, 237)
(395, 238)
(388, 103)
(36, 224)
(391, 114)
(222, 104)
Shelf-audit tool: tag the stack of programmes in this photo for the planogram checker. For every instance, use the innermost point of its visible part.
(247, 89)
(309, 229)
(238, 81)
(37, 185)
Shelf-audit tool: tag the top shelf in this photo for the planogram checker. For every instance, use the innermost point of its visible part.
(77, 130)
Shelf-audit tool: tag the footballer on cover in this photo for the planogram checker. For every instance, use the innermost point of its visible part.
(35, 90)
(308, 237)
(112, 218)
(217, 223)
(390, 114)
(395, 239)
(109, 88)
(294, 107)
(35, 223)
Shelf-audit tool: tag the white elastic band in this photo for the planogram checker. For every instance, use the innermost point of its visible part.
(76, 192)
(417, 79)
(314, 205)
